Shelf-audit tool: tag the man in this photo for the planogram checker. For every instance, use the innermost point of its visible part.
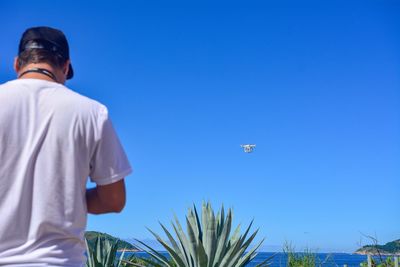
(52, 139)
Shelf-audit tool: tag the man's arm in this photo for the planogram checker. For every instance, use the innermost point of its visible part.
(106, 198)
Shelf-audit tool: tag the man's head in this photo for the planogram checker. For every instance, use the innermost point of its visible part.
(44, 45)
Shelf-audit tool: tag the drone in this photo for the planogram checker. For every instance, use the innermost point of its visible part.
(248, 148)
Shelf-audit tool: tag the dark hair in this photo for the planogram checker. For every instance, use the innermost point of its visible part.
(40, 56)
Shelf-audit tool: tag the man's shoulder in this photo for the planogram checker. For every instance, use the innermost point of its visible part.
(76, 103)
(55, 96)
(74, 96)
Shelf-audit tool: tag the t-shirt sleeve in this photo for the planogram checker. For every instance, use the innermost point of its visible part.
(109, 163)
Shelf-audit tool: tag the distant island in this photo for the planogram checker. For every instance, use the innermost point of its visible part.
(390, 248)
(91, 237)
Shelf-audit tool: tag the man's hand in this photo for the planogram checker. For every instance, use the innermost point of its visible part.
(106, 198)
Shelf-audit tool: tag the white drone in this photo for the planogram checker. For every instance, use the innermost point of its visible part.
(248, 148)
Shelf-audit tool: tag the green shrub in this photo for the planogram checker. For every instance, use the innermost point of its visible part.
(380, 262)
(295, 259)
(307, 258)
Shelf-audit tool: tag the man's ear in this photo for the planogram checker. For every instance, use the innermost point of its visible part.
(16, 65)
(66, 67)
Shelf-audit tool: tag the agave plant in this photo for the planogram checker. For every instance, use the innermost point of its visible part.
(208, 242)
(104, 253)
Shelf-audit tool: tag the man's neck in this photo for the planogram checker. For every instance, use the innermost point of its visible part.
(30, 72)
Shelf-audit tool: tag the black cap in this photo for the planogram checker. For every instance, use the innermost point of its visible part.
(46, 38)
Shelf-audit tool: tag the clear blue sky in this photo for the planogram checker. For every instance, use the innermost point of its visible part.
(315, 85)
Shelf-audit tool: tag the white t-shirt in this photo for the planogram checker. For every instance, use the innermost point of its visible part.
(51, 140)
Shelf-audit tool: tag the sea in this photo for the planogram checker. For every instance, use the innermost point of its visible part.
(323, 259)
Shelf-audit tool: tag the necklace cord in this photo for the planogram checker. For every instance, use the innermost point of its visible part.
(41, 71)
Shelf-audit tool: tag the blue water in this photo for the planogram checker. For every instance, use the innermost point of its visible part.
(325, 259)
